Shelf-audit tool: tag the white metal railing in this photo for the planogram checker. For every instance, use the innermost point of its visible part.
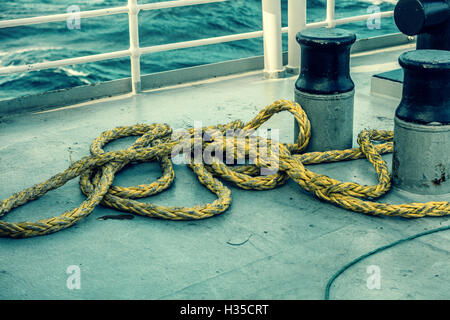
(272, 30)
(297, 22)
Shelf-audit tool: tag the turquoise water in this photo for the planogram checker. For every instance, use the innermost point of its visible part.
(54, 41)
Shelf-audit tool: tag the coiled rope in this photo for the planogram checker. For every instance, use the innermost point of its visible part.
(156, 143)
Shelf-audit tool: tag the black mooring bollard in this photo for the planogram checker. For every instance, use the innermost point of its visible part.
(428, 19)
(324, 88)
(421, 161)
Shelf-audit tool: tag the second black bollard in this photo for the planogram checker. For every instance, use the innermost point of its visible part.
(421, 161)
(324, 88)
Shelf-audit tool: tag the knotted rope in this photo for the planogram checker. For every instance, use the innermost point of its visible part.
(156, 143)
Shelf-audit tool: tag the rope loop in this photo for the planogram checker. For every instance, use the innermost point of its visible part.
(231, 152)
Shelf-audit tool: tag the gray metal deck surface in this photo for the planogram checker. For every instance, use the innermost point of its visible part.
(295, 242)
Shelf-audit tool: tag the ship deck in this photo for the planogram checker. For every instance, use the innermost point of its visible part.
(291, 243)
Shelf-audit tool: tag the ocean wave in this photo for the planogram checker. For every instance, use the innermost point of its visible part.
(54, 41)
(72, 72)
(29, 49)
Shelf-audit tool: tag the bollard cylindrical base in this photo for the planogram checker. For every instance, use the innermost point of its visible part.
(421, 160)
(331, 117)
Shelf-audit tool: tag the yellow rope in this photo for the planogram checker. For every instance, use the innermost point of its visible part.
(155, 143)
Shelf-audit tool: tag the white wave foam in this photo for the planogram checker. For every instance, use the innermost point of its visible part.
(72, 72)
(30, 49)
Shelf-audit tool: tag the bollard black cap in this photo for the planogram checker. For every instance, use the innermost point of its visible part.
(418, 16)
(325, 61)
(426, 87)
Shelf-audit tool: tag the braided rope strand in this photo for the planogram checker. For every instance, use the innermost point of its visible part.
(156, 143)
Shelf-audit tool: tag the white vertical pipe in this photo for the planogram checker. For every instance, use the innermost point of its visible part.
(296, 23)
(135, 54)
(273, 55)
(330, 13)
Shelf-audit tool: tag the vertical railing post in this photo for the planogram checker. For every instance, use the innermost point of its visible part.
(330, 13)
(135, 54)
(296, 23)
(273, 55)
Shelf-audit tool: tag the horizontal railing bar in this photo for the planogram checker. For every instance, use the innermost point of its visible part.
(171, 46)
(124, 53)
(64, 62)
(201, 42)
(74, 95)
(173, 4)
(318, 24)
(101, 12)
(324, 23)
(385, 14)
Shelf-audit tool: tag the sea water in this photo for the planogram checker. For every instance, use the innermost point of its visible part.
(88, 36)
